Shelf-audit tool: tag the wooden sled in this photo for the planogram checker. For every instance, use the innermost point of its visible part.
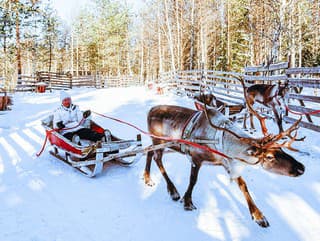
(92, 158)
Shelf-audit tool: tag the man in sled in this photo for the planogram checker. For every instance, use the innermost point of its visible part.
(75, 124)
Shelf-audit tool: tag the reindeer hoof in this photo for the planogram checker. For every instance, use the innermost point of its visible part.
(175, 196)
(263, 222)
(188, 205)
(148, 181)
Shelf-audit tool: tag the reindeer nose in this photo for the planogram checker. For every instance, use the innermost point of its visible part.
(299, 170)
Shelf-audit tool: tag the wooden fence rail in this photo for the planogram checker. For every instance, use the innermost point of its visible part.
(303, 83)
(67, 81)
(304, 98)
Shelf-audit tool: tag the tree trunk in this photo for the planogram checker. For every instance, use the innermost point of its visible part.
(192, 40)
(228, 37)
(18, 45)
(159, 42)
(178, 27)
(170, 39)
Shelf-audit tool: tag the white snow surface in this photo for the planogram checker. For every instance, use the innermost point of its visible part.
(43, 199)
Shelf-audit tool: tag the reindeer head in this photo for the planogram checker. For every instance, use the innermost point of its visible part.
(207, 98)
(277, 161)
(283, 89)
(271, 156)
(266, 150)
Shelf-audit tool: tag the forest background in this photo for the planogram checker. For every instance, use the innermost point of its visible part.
(109, 37)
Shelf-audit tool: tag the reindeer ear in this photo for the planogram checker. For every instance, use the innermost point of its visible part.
(252, 151)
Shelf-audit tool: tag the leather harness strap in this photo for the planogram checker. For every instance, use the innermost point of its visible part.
(188, 128)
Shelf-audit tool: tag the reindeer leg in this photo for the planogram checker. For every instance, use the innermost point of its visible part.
(146, 175)
(170, 186)
(187, 198)
(252, 127)
(245, 121)
(278, 118)
(256, 214)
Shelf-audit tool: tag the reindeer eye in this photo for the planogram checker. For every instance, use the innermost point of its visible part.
(269, 157)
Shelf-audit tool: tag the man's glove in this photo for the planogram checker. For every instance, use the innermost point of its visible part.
(86, 113)
(60, 125)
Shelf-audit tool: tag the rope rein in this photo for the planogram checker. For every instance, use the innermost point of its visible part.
(166, 138)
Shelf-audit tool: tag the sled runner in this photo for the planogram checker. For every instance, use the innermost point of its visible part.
(91, 158)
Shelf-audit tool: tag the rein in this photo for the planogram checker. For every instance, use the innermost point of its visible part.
(218, 128)
(166, 138)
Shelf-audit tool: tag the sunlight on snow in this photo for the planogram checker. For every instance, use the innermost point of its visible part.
(316, 188)
(13, 200)
(1, 166)
(307, 228)
(33, 136)
(3, 188)
(146, 190)
(11, 152)
(36, 123)
(224, 179)
(209, 220)
(36, 184)
(236, 229)
(214, 222)
(26, 146)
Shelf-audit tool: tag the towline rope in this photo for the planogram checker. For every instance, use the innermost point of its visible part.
(166, 138)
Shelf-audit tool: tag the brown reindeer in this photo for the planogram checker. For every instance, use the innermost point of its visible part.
(270, 96)
(210, 100)
(5, 102)
(218, 132)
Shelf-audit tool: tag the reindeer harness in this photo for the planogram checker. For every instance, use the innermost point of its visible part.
(233, 166)
(189, 128)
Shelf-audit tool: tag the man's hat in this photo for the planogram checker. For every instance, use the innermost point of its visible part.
(64, 95)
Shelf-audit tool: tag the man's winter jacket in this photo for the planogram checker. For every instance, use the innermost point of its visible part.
(70, 118)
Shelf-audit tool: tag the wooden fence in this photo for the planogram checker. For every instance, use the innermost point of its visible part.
(305, 83)
(67, 81)
(224, 85)
(302, 98)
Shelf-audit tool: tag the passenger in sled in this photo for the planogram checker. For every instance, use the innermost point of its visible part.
(74, 124)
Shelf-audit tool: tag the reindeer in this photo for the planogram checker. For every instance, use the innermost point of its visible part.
(241, 149)
(271, 96)
(210, 100)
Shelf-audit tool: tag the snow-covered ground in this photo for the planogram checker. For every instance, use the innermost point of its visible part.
(43, 199)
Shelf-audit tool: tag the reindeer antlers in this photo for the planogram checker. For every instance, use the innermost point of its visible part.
(271, 143)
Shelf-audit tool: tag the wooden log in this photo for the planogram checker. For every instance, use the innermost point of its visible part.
(303, 109)
(272, 67)
(261, 78)
(304, 124)
(303, 70)
(305, 82)
(304, 97)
